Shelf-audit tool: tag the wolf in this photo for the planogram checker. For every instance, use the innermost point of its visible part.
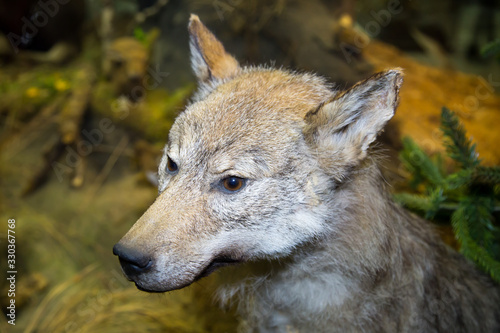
(272, 172)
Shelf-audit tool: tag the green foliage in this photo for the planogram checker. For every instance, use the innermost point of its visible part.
(419, 164)
(146, 38)
(468, 197)
(491, 50)
(487, 174)
(140, 35)
(458, 146)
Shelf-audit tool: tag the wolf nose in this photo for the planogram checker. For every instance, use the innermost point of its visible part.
(133, 262)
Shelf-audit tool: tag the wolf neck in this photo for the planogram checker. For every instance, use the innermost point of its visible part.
(347, 261)
(367, 230)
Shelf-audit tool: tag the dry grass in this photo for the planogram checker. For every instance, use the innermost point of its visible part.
(93, 301)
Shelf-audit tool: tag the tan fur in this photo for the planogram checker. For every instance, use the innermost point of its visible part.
(319, 244)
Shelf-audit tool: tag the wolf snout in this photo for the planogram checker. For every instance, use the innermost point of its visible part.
(132, 261)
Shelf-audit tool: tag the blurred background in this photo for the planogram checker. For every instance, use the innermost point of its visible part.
(90, 88)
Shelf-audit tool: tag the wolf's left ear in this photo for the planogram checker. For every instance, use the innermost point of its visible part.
(209, 59)
(342, 129)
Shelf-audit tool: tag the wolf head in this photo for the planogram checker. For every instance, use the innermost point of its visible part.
(251, 167)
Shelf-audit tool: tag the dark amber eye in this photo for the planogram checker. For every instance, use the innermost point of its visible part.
(233, 183)
(171, 165)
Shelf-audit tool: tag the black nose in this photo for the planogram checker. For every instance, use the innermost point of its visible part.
(133, 262)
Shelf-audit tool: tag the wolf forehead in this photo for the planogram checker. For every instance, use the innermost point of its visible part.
(255, 104)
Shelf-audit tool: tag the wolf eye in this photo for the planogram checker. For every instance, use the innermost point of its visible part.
(233, 183)
(171, 166)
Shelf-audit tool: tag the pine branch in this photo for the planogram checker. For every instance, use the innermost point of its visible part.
(480, 220)
(459, 179)
(491, 49)
(458, 146)
(462, 219)
(430, 204)
(469, 195)
(436, 198)
(420, 164)
(413, 201)
(451, 207)
(487, 175)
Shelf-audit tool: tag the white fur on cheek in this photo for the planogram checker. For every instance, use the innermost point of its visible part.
(277, 237)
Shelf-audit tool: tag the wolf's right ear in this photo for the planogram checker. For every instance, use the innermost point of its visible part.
(209, 59)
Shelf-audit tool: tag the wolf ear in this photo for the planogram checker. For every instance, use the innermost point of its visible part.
(209, 59)
(342, 129)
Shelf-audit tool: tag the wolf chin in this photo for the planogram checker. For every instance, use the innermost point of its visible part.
(271, 172)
